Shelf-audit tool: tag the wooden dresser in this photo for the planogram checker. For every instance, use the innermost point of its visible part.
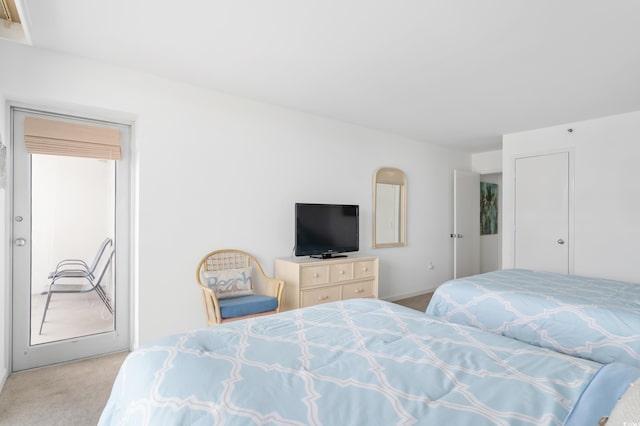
(313, 281)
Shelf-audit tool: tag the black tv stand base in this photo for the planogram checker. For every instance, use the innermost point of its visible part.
(327, 256)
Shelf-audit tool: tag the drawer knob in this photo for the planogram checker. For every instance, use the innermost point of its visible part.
(364, 269)
(341, 272)
(321, 298)
(360, 290)
(316, 275)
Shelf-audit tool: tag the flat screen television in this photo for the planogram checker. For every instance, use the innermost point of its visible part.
(322, 230)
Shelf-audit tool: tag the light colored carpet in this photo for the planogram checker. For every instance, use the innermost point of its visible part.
(419, 303)
(66, 394)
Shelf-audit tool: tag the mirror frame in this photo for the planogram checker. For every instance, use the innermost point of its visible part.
(390, 175)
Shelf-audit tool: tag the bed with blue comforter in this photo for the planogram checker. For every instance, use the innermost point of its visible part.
(357, 362)
(592, 318)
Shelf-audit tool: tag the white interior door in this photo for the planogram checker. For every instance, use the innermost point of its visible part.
(65, 207)
(542, 203)
(466, 231)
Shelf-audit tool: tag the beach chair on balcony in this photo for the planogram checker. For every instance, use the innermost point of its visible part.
(79, 266)
(81, 278)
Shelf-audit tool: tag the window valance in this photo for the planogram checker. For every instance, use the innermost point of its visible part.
(56, 137)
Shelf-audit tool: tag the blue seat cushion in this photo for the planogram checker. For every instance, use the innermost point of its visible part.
(235, 307)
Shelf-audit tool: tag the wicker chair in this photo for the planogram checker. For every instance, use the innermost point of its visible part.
(268, 291)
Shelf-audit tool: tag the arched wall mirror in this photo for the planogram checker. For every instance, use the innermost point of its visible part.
(389, 208)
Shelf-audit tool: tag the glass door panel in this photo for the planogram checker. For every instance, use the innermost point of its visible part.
(72, 201)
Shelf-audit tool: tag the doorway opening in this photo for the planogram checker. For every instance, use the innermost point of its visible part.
(475, 250)
(491, 241)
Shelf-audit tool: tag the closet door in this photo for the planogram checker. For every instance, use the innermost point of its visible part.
(542, 213)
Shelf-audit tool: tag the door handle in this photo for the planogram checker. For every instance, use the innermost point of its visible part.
(560, 241)
(20, 242)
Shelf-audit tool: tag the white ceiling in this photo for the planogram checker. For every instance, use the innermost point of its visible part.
(454, 72)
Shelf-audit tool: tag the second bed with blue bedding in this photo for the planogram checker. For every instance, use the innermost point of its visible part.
(591, 318)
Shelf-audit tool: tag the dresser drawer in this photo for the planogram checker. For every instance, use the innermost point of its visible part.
(314, 275)
(364, 269)
(321, 295)
(341, 272)
(356, 290)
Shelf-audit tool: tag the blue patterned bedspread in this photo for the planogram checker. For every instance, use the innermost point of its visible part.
(357, 362)
(591, 318)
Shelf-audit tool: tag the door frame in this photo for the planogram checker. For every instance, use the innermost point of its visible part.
(570, 151)
(128, 244)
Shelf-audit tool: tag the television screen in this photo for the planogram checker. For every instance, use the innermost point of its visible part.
(324, 229)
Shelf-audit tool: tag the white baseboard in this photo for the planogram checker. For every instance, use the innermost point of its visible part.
(407, 295)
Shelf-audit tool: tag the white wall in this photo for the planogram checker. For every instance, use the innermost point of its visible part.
(487, 162)
(217, 171)
(606, 191)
